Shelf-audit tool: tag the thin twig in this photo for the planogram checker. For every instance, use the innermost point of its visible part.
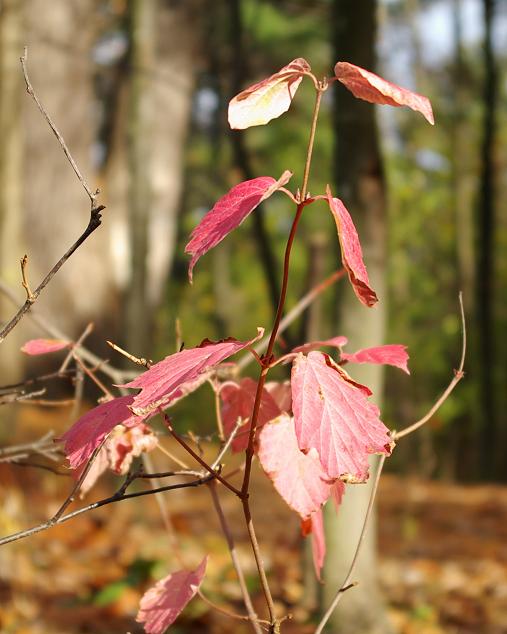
(234, 557)
(87, 331)
(346, 585)
(119, 496)
(92, 376)
(137, 360)
(458, 375)
(29, 89)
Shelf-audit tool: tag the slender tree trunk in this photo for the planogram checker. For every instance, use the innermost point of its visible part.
(11, 157)
(485, 256)
(359, 181)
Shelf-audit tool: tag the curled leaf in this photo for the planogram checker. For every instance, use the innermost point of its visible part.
(352, 254)
(165, 381)
(229, 212)
(335, 417)
(370, 87)
(44, 346)
(298, 477)
(161, 605)
(335, 342)
(391, 354)
(268, 98)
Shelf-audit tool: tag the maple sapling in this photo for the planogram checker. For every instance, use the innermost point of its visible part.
(312, 435)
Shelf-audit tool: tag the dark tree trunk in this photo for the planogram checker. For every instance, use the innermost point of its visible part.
(485, 252)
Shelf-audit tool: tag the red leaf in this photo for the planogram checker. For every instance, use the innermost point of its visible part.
(161, 605)
(165, 380)
(337, 493)
(267, 99)
(371, 87)
(299, 478)
(89, 431)
(352, 254)
(43, 346)
(229, 212)
(335, 342)
(237, 402)
(392, 354)
(335, 417)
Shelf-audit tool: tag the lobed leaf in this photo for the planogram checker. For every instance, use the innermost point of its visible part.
(333, 416)
(161, 605)
(229, 212)
(269, 98)
(44, 346)
(165, 381)
(352, 254)
(298, 477)
(391, 354)
(370, 87)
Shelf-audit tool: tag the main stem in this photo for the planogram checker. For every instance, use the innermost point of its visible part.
(267, 358)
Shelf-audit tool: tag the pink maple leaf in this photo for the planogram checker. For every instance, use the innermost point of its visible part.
(391, 354)
(229, 212)
(335, 342)
(165, 380)
(86, 434)
(237, 403)
(269, 98)
(334, 416)
(161, 605)
(370, 87)
(44, 346)
(298, 477)
(352, 254)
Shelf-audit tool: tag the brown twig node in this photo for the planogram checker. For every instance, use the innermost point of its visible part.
(30, 297)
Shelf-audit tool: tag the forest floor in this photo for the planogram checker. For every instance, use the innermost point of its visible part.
(443, 557)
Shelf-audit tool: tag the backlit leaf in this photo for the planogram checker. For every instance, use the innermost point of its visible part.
(161, 605)
(352, 254)
(372, 88)
(267, 99)
(44, 346)
(335, 342)
(165, 380)
(298, 477)
(391, 354)
(335, 417)
(229, 212)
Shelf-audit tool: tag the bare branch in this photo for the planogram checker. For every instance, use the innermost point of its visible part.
(458, 375)
(24, 279)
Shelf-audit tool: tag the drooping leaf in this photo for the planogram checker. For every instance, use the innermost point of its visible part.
(337, 493)
(86, 434)
(229, 212)
(335, 342)
(314, 526)
(298, 477)
(165, 380)
(391, 354)
(237, 403)
(267, 99)
(335, 417)
(372, 88)
(44, 346)
(161, 605)
(352, 254)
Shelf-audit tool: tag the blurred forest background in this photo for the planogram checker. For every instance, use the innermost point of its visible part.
(139, 90)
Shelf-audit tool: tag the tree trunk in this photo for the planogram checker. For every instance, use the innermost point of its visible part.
(11, 157)
(490, 447)
(359, 182)
(144, 174)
